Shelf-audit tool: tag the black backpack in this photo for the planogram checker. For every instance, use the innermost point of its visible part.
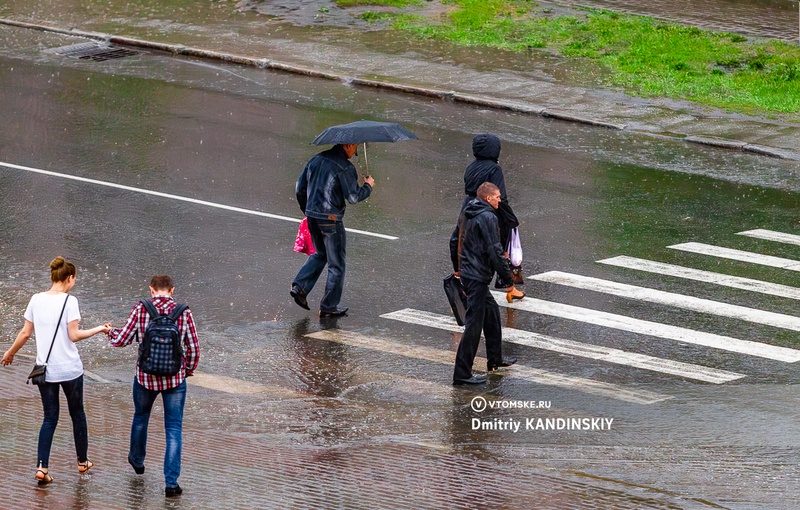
(161, 350)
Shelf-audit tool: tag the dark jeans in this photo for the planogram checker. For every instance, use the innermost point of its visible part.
(50, 404)
(174, 400)
(483, 314)
(330, 246)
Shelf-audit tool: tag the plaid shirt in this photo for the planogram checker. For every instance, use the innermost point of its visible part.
(134, 328)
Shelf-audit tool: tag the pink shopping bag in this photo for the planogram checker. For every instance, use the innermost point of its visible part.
(303, 243)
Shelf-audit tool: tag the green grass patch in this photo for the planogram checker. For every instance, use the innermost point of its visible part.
(388, 3)
(643, 56)
(379, 16)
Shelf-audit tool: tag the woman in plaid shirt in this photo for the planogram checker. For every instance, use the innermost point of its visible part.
(146, 387)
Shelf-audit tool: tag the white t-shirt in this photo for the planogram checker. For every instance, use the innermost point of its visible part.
(43, 310)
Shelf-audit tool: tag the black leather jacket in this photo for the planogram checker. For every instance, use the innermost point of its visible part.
(327, 183)
(481, 252)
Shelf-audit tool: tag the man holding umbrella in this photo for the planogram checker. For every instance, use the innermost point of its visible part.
(327, 183)
(329, 180)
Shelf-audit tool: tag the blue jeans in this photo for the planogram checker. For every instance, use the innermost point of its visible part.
(173, 399)
(483, 314)
(330, 248)
(74, 392)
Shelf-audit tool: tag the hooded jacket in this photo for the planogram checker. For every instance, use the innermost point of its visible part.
(486, 149)
(481, 253)
(327, 183)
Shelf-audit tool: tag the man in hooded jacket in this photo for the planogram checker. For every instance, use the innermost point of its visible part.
(485, 168)
(479, 255)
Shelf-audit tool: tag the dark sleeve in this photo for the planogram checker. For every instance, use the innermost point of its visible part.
(352, 192)
(499, 180)
(491, 233)
(301, 189)
(454, 247)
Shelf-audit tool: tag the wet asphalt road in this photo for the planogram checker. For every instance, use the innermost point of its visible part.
(239, 137)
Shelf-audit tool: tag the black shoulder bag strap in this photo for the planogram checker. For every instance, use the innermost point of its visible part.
(58, 325)
(460, 235)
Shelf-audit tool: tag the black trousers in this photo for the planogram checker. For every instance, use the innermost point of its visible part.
(483, 315)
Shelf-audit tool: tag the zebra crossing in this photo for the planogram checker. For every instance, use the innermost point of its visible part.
(637, 326)
(531, 374)
(574, 348)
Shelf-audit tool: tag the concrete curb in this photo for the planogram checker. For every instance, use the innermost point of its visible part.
(455, 96)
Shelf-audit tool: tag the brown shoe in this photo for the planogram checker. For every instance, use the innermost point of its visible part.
(514, 294)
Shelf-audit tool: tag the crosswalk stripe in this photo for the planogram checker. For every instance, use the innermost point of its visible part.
(743, 256)
(736, 282)
(549, 343)
(661, 297)
(643, 327)
(771, 235)
(528, 373)
(232, 385)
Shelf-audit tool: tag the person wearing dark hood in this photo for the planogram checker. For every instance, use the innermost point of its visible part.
(328, 181)
(479, 256)
(485, 168)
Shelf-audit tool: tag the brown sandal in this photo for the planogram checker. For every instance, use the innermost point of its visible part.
(43, 477)
(85, 466)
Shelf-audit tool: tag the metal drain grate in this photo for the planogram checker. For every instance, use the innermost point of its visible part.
(94, 51)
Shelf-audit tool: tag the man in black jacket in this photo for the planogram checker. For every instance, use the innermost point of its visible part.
(328, 182)
(479, 255)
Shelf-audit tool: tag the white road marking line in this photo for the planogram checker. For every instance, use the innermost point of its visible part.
(736, 282)
(180, 198)
(235, 386)
(94, 377)
(778, 320)
(743, 256)
(561, 345)
(642, 327)
(771, 235)
(530, 374)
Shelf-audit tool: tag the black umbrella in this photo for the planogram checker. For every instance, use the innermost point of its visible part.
(363, 131)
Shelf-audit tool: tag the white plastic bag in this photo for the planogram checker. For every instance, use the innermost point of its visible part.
(514, 248)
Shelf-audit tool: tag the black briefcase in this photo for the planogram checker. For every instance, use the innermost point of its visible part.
(457, 298)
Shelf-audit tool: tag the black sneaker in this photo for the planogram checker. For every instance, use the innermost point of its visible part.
(171, 492)
(137, 469)
(472, 380)
(339, 312)
(299, 297)
(505, 362)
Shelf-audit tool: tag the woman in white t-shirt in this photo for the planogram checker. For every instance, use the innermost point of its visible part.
(64, 367)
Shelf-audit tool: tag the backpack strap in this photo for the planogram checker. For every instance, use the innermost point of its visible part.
(151, 308)
(154, 313)
(178, 311)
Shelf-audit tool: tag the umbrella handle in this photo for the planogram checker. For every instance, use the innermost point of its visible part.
(366, 161)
